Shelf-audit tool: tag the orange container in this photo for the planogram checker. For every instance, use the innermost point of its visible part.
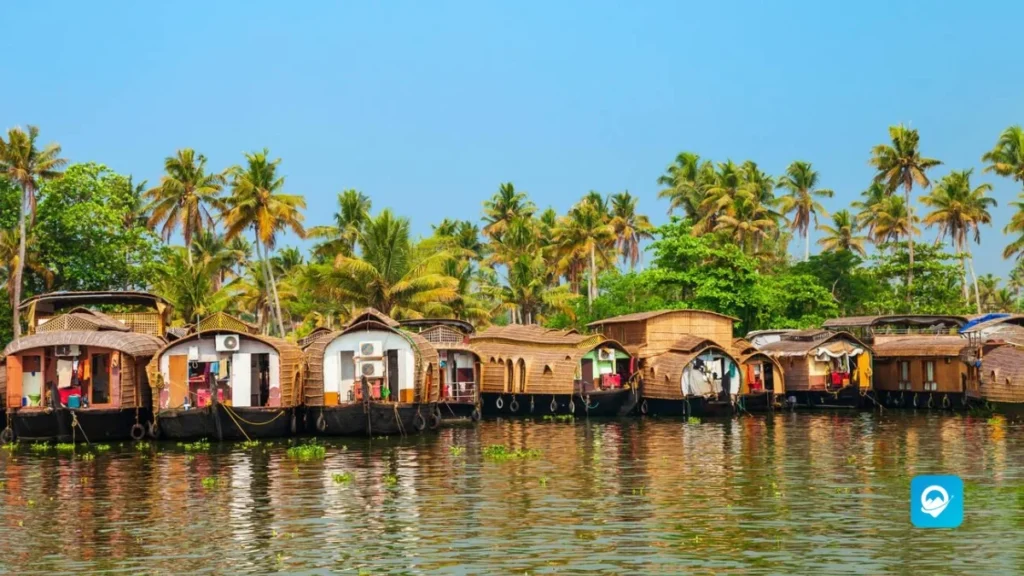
(330, 398)
(407, 396)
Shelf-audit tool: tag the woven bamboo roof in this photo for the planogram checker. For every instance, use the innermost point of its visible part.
(770, 332)
(131, 343)
(57, 300)
(741, 346)
(82, 319)
(689, 343)
(1002, 374)
(225, 321)
(316, 334)
(638, 316)
(422, 324)
(372, 314)
(943, 346)
(533, 334)
(910, 319)
(790, 346)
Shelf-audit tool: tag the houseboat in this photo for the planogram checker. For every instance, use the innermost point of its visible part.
(916, 358)
(994, 357)
(689, 365)
(823, 369)
(458, 363)
(79, 373)
(760, 338)
(529, 369)
(371, 378)
(223, 381)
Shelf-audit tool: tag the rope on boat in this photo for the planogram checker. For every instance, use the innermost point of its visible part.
(74, 422)
(276, 416)
(945, 401)
(235, 420)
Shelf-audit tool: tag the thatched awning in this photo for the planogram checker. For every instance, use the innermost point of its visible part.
(59, 300)
(533, 334)
(638, 316)
(139, 345)
(908, 319)
(810, 341)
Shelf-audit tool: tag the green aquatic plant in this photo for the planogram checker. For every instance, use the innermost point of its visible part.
(12, 447)
(209, 482)
(559, 418)
(543, 480)
(456, 450)
(343, 478)
(40, 447)
(692, 420)
(142, 446)
(201, 445)
(88, 456)
(308, 451)
(501, 453)
(101, 447)
(390, 480)
(3, 484)
(249, 444)
(189, 457)
(64, 447)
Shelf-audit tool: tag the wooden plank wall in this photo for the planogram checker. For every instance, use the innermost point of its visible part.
(665, 330)
(947, 375)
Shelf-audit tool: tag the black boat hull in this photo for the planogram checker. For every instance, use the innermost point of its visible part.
(373, 419)
(226, 423)
(89, 424)
(922, 400)
(604, 403)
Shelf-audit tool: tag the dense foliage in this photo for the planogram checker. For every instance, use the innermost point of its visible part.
(725, 248)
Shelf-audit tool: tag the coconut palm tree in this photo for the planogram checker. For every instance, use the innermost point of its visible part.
(802, 192)
(748, 222)
(257, 203)
(210, 250)
(187, 284)
(901, 164)
(185, 197)
(630, 228)
(526, 296)
(893, 221)
(586, 234)
(842, 235)
(504, 207)
(719, 196)
(1006, 158)
(957, 210)
(353, 213)
(9, 247)
(683, 183)
(26, 166)
(872, 199)
(393, 274)
(989, 284)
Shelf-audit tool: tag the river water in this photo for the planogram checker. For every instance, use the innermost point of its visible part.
(782, 494)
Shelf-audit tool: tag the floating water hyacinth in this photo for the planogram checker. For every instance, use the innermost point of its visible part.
(101, 447)
(209, 482)
(40, 447)
(501, 453)
(456, 450)
(309, 451)
(343, 478)
(64, 447)
(201, 445)
(250, 444)
(390, 480)
(693, 420)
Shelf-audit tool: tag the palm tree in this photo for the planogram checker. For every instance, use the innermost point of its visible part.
(188, 285)
(893, 221)
(393, 274)
(257, 203)
(683, 184)
(210, 250)
(957, 210)
(842, 235)
(353, 212)
(719, 195)
(526, 295)
(630, 228)
(801, 185)
(901, 164)
(1016, 283)
(873, 198)
(1007, 157)
(748, 222)
(184, 198)
(586, 233)
(989, 284)
(26, 166)
(504, 207)
(9, 247)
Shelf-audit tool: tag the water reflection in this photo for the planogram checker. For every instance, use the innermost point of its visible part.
(790, 493)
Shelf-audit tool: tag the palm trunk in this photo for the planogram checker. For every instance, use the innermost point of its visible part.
(266, 277)
(977, 294)
(958, 244)
(19, 269)
(807, 245)
(592, 281)
(910, 246)
(277, 300)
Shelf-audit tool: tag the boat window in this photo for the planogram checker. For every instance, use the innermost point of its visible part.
(547, 369)
(929, 370)
(904, 371)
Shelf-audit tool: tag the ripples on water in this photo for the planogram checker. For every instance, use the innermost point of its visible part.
(786, 494)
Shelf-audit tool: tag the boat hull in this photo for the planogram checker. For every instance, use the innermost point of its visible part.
(93, 424)
(922, 400)
(373, 419)
(703, 406)
(846, 398)
(226, 423)
(603, 403)
(459, 411)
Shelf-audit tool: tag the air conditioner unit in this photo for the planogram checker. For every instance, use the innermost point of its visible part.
(370, 368)
(606, 354)
(228, 343)
(371, 349)
(67, 350)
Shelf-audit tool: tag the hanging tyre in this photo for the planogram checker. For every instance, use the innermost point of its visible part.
(554, 405)
(154, 430)
(513, 406)
(435, 421)
(418, 422)
(321, 423)
(643, 407)
(137, 432)
(6, 436)
(499, 403)
(475, 415)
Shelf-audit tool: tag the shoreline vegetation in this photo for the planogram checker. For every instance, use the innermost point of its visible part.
(82, 226)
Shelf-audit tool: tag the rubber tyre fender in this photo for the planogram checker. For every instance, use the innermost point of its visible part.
(419, 422)
(138, 432)
(513, 406)
(435, 421)
(475, 415)
(321, 423)
(6, 436)
(499, 403)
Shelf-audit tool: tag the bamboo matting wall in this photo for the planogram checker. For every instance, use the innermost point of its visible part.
(663, 374)
(798, 372)
(1002, 375)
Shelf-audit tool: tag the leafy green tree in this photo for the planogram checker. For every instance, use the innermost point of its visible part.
(852, 285)
(81, 233)
(936, 291)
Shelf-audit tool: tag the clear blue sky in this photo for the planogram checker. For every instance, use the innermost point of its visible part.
(428, 106)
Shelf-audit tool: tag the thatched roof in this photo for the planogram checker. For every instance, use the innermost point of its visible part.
(638, 316)
(57, 300)
(224, 321)
(908, 319)
(688, 343)
(920, 346)
(534, 334)
(772, 332)
(135, 344)
(82, 319)
(314, 335)
(423, 324)
(1002, 374)
(372, 314)
(801, 344)
(741, 346)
